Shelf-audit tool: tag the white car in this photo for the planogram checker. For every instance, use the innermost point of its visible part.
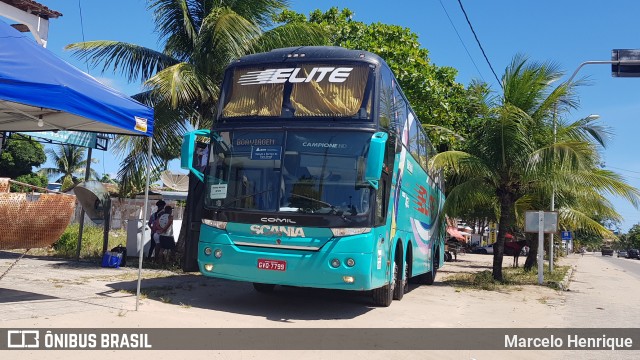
(484, 249)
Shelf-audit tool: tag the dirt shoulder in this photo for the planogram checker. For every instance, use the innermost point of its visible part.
(48, 292)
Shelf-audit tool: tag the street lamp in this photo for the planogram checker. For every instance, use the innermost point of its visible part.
(553, 191)
(624, 63)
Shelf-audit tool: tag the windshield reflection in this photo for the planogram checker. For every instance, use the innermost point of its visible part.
(303, 172)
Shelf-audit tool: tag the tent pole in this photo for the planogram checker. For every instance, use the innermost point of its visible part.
(144, 220)
(81, 228)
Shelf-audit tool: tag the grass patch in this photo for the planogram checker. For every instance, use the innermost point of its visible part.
(513, 279)
(92, 239)
(154, 292)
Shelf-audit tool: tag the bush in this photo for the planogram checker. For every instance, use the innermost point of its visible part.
(92, 238)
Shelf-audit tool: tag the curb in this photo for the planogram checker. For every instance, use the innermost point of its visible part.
(564, 284)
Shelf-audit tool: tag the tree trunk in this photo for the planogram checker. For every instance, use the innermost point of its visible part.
(507, 203)
(532, 257)
(187, 246)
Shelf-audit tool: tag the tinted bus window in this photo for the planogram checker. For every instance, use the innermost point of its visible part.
(304, 90)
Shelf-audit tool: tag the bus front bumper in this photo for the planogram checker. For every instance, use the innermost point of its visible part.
(328, 268)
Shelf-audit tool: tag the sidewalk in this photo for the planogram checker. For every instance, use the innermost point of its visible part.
(49, 293)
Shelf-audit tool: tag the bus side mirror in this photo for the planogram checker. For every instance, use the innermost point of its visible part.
(375, 160)
(188, 150)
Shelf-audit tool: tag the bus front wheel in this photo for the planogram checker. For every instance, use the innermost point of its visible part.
(383, 296)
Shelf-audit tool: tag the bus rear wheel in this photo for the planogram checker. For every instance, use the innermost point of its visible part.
(430, 276)
(263, 288)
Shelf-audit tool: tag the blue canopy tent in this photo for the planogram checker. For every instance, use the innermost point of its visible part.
(39, 91)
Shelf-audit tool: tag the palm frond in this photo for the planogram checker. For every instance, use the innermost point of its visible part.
(225, 30)
(175, 19)
(292, 34)
(132, 60)
(182, 85)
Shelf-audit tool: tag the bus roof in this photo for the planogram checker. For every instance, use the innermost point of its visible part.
(322, 53)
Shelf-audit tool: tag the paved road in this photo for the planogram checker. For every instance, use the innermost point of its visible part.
(631, 266)
(604, 294)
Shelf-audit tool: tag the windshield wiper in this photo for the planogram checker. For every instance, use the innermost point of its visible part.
(244, 197)
(332, 208)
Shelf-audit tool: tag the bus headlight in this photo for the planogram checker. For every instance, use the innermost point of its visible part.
(208, 267)
(207, 251)
(222, 225)
(349, 231)
(335, 263)
(217, 253)
(348, 279)
(350, 262)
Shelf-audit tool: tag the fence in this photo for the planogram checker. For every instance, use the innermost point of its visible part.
(124, 209)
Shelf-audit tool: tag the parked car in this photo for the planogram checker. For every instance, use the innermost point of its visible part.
(484, 249)
(623, 253)
(633, 254)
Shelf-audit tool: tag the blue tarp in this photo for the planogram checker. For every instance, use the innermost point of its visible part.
(35, 84)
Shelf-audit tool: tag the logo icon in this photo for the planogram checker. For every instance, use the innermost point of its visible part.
(22, 339)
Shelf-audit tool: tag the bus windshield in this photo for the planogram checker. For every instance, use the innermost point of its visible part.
(310, 172)
(299, 91)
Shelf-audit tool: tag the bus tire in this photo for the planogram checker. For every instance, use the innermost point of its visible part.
(383, 296)
(263, 288)
(430, 276)
(400, 282)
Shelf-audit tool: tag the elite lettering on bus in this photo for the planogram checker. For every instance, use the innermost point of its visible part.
(279, 76)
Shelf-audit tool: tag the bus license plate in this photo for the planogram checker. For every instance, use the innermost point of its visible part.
(277, 265)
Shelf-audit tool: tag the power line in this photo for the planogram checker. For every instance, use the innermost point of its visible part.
(478, 41)
(617, 168)
(463, 45)
(86, 62)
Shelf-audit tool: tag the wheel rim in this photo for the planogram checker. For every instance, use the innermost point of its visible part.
(395, 276)
(405, 281)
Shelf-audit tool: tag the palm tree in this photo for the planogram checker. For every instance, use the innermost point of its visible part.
(69, 164)
(182, 81)
(513, 154)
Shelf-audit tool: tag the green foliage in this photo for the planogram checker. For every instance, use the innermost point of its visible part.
(633, 237)
(513, 277)
(514, 160)
(92, 239)
(199, 38)
(69, 165)
(32, 179)
(432, 90)
(20, 156)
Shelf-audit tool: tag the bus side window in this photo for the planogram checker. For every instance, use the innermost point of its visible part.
(424, 156)
(381, 201)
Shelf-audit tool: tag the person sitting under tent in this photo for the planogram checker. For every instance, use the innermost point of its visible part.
(152, 219)
(163, 236)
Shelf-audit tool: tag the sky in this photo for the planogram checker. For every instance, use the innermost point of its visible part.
(566, 32)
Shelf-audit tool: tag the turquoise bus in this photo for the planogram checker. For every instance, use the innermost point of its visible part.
(316, 176)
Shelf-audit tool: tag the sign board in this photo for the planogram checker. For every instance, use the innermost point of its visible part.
(531, 222)
(492, 232)
(79, 138)
(629, 69)
(565, 235)
(266, 152)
